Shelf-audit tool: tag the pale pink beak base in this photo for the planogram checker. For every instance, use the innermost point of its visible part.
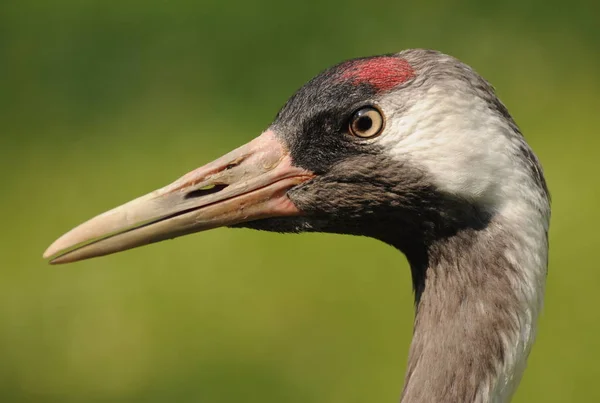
(246, 184)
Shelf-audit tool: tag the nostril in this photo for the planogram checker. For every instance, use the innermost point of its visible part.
(235, 162)
(206, 190)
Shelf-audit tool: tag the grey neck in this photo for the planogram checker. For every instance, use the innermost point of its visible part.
(475, 317)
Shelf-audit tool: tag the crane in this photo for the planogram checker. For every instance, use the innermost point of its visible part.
(416, 150)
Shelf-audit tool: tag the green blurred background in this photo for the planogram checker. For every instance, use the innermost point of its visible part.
(102, 101)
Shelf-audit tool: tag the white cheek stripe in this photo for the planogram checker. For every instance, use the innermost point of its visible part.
(463, 156)
(470, 152)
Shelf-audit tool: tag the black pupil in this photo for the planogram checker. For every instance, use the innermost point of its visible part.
(364, 123)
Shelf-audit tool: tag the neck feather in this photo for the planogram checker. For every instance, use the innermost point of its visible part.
(478, 295)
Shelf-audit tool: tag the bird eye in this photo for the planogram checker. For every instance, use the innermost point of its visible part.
(366, 122)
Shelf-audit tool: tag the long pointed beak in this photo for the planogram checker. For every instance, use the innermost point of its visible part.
(246, 184)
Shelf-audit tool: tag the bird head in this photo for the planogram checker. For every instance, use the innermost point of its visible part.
(406, 148)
